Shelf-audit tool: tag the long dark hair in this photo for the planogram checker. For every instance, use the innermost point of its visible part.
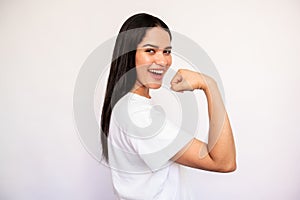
(130, 35)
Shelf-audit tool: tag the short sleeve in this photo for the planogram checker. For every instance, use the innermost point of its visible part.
(159, 141)
(142, 131)
(159, 149)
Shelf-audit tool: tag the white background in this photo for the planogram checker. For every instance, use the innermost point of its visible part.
(255, 46)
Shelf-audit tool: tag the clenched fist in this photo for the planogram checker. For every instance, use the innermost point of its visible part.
(187, 80)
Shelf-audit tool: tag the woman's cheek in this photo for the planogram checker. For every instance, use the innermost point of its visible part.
(143, 60)
(147, 60)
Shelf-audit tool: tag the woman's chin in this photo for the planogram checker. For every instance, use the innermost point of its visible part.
(154, 85)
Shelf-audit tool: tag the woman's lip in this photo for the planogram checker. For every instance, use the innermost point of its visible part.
(157, 76)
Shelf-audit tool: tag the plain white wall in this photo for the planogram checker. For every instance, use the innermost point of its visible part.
(254, 44)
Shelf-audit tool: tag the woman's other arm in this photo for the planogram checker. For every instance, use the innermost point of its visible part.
(219, 153)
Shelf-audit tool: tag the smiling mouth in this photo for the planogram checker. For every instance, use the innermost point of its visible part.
(157, 74)
(156, 71)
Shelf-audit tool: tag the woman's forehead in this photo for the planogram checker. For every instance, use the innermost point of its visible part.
(156, 36)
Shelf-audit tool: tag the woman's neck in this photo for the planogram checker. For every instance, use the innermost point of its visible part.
(141, 90)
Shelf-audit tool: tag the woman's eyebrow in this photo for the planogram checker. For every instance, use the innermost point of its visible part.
(157, 47)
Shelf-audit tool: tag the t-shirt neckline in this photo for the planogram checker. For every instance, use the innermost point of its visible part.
(136, 96)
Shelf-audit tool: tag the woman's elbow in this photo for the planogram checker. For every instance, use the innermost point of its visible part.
(225, 166)
(228, 167)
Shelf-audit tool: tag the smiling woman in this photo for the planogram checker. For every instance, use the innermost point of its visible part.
(143, 148)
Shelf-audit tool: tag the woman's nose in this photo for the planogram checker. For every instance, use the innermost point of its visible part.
(160, 59)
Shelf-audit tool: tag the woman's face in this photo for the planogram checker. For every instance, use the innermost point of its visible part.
(153, 58)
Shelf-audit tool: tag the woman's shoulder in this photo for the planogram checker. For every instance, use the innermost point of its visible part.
(132, 110)
(132, 103)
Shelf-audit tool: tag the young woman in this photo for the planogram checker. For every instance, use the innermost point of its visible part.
(143, 148)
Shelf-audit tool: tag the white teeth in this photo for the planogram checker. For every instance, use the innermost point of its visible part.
(156, 71)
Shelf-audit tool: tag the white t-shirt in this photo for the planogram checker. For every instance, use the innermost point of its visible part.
(141, 143)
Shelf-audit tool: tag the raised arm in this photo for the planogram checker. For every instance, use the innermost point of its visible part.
(219, 154)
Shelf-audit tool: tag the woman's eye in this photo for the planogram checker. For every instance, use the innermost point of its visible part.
(167, 51)
(150, 50)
